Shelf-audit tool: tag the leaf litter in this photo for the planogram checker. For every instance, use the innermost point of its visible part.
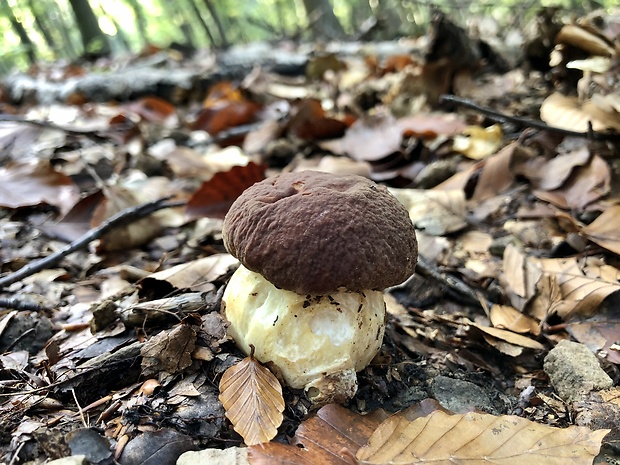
(516, 218)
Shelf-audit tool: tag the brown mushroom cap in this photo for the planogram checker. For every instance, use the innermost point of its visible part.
(313, 232)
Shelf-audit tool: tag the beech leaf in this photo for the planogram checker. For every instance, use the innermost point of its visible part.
(478, 439)
(252, 398)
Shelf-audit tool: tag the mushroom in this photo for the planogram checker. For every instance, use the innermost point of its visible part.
(316, 252)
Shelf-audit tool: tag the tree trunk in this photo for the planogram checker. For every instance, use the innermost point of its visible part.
(19, 30)
(218, 23)
(38, 13)
(322, 20)
(141, 21)
(203, 24)
(94, 41)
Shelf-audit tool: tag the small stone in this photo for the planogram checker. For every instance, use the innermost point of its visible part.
(72, 460)
(574, 371)
(460, 396)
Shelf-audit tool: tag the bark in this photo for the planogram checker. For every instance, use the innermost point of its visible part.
(19, 29)
(217, 21)
(322, 20)
(94, 41)
(141, 21)
(203, 23)
(38, 13)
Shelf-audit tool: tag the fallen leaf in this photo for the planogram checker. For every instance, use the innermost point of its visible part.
(197, 274)
(169, 351)
(311, 123)
(586, 184)
(496, 174)
(26, 184)
(580, 37)
(478, 143)
(567, 113)
(435, 212)
(252, 398)
(155, 110)
(583, 284)
(511, 319)
(216, 195)
(474, 438)
(519, 277)
(552, 174)
(505, 341)
(370, 138)
(331, 437)
(605, 230)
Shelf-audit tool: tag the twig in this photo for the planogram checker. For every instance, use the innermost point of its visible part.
(453, 283)
(16, 304)
(49, 125)
(501, 117)
(126, 216)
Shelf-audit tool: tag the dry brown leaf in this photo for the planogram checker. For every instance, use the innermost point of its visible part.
(252, 398)
(585, 185)
(169, 351)
(583, 284)
(435, 212)
(501, 335)
(496, 174)
(478, 439)
(197, 275)
(556, 171)
(567, 113)
(331, 437)
(605, 230)
(31, 183)
(506, 317)
(519, 277)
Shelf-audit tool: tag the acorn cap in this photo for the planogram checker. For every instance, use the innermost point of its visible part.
(313, 233)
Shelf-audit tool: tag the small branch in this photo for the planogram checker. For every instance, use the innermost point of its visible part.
(456, 285)
(16, 304)
(126, 216)
(49, 125)
(502, 118)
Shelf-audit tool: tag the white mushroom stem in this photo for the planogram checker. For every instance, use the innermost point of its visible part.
(309, 338)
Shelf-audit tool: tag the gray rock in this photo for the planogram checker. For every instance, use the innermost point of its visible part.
(460, 396)
(574, 371)
(73, 460)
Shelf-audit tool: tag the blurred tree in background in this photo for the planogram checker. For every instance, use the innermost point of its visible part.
(70, 29)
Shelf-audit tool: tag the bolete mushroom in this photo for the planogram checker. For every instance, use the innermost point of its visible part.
(316, 252)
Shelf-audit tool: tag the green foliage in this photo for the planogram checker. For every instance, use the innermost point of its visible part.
(164, 22)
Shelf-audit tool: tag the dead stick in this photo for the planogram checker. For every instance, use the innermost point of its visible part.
(527, 122)
(456, 285)
(126, 216)
(49, 125)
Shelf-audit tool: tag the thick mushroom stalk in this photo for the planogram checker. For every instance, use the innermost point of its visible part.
(317, 342)
(316, 249)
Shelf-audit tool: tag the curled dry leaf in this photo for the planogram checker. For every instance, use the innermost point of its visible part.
(252, 398)
(586, 184)
(478, 439)
(605, 230)
(435, 212)
(506, 317)
(567, 113)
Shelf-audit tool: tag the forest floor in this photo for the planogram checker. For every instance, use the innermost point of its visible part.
(115, 177)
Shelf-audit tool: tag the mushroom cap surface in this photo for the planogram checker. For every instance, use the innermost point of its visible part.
(313, 233)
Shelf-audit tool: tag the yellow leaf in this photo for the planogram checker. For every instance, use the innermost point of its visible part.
(506, 317)
(478, 143)
(252, 398)
(478, 439)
